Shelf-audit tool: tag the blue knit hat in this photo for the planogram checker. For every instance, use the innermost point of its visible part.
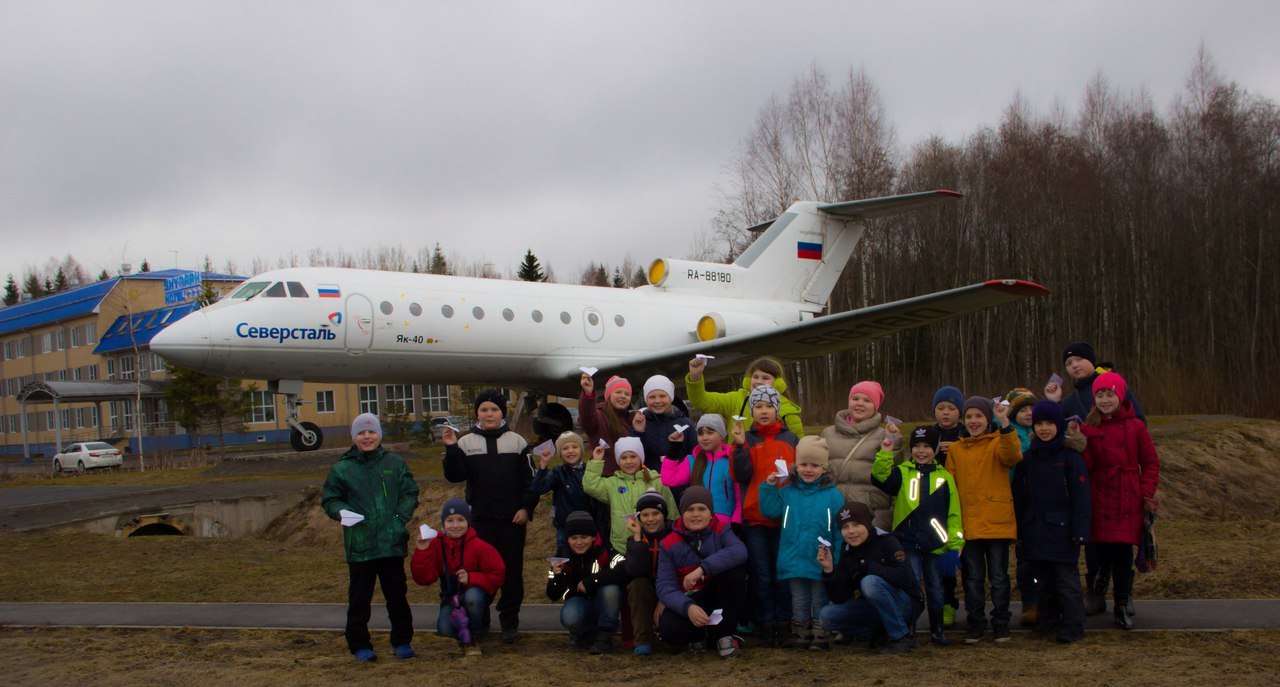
(456, 506)
(951, 395)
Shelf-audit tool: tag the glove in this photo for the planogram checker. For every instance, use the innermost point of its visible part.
(949, 563)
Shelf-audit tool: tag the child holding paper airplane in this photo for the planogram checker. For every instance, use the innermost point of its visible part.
(648, 528)
(762, 371)
(589, 580)
(656, 424)
(469, 569)
(710, 465)
(621, 490)
(808, 504)
(371, 491)
(607, 421)
(854, 439)
(565, 484)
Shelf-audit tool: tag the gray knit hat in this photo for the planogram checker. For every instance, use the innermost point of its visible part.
(713, 421)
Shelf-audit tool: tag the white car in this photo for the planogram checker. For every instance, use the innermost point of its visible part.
(87, 456)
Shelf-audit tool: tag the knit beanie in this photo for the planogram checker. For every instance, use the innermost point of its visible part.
(950, 394)
(659, 383)
(651, 498)
(713, 421)
(569, 438)
(927, 435)
(1018, 398)
(1112, 381)
(855, 511)
(1048, 411)
(873, 390)
(696, 494)
(1079, 349)
(456, 506)
(365, 421)
(981, 403)
(615, 382)
(813, 450)
(580, 522)
(493, 396)
(767, 394)
(632, 444)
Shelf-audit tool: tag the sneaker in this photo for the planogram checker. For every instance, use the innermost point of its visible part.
(1030, 615)
(510, 635)
(1001, 634)
(729, 647)
(974, 634)
(602, 645)
(643, 650)
(900, 645)
(948, 615)
(940, 638)
(471, 650)
(366, 656)
(405, 651)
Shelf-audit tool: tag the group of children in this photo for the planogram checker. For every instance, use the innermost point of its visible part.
(697, 532)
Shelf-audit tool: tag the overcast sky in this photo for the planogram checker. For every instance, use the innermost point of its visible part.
(585, 130)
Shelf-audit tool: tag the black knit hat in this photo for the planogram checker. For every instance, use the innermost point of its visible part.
(1079, 349)
(493, 396)
(696, 494)
(925, 434)
(580, 522)
(652, 499)
(855, 511)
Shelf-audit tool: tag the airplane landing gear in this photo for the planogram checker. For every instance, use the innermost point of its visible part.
(303, 436)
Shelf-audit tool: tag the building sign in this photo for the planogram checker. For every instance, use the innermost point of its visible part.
(183, 288)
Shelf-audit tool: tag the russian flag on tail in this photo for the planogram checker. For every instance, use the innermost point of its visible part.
(808, 251)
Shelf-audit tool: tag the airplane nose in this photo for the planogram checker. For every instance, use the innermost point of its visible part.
(185, 342)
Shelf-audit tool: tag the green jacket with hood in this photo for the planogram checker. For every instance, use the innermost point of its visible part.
(379, 486)
(732, 403)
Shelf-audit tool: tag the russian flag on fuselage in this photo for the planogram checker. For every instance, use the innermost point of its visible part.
(808, 251)
(329, 291)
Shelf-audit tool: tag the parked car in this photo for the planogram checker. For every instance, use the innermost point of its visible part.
(437, 425)
(89, 455)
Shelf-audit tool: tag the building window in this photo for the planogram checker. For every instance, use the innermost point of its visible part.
(401, 394)
(157, 363)
(93, 416)
(369, 399)
(435, 398)
(262, 408)
(324, 401)
(48, 419)
(80, 417)
(93, 373)
(76, 334)
(111, 373)
(126, 367)
(90, 334)
(60, 339)
(66, 418)
(46, 342)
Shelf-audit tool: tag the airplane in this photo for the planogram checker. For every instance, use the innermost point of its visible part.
(325, 324)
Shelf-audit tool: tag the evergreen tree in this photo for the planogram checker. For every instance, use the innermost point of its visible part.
(48, 287)
(530, 270)
(60, 281)
(618, 282)
(439, 265)
(103, 276)
(640, 278)
(146, 266)
(31, 286)
(601, 277)
(11, 293)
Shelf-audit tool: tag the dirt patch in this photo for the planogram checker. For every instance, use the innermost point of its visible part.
(1218, 467)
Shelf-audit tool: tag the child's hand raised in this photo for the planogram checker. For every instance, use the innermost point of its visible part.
(638, 421)
(1053, 392)
(587, 383)
(887, 444)
(448, 436)
(545, 458)
(633, 526)
(772, 480)
(696, 366)
(824, 559)
(597, 453)
(676, 437)
(422, 544)
(1001, 411)
(739, 433)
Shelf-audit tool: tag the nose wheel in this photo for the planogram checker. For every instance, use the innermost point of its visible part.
(308, 438)
(303, 436)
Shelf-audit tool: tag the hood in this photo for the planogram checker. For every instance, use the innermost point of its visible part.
(778, 383)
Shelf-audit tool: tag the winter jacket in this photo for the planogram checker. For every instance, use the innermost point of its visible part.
(620, 492)
(1051, 498)
(446, 556)
(731, 403)
(1081, 402)
(642, 556)
(1123, 469)
(852, 447)
(565, 484)
(714, 548)
(926, 505)
(591, 416)
(594, 569)
(808, 510)
(946, 434)
(880, 555)
(498, 471)
(753, 462)
(378, 485)
(656, 430)
(980, 466)
(717, 476)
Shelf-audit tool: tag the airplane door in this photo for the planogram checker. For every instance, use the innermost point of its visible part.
(593, 322)
(358, 336)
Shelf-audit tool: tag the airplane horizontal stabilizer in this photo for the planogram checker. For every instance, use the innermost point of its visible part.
(873, 208)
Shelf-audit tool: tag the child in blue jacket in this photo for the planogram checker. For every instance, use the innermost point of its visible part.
(808, 505)
(565, 484)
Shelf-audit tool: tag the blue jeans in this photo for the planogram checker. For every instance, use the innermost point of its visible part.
(808, 597)
(881, 605)
(477, 604)
(770, 598)
(983, 560)
(925, 566)
(581, 615)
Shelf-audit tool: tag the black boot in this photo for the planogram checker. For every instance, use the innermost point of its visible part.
(937, 634)
(1095, 597)
(1122, 619)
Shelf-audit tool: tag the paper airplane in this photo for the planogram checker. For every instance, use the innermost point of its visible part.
(782, 472)
(892, 420)
(681, 428)
(556, 560)
(1055, 379)
(824, 542)
(604, 444)
(589, 371)
(426, 532)
(703, 356)
(739, 418)
(715, 617)
(350, 517)
(545, 446)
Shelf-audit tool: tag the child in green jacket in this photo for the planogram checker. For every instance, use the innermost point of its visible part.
(622, 489)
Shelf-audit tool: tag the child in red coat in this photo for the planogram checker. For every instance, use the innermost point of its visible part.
(470, 571)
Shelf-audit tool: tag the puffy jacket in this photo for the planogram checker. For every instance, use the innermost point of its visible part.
(980, 466)
(1123, 470)
(446, 556)
(1080, 402)
(880, 555)
(497, 469)
(656, 430)
(642, 555)
(718, 477)
(852, 448)
(1051, 498)
(620, 492)
(926, 505)
(594, 569)
(947, 434)
(753, 462)
(565, 484)
(808, 510)
(378, 485)
(591, 416)
(715, 548)
(731, 403)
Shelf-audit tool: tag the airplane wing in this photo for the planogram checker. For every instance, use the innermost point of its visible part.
(832, 333)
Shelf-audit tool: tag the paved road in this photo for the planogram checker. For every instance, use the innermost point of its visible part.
(1199, 614)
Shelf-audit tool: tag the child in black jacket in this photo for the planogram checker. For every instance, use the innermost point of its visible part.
(565, 484)
(873, 589)
(590, 583)
(648, 528)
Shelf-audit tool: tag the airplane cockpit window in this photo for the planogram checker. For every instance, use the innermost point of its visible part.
(296, 290)
(251, 289)
(276, 291)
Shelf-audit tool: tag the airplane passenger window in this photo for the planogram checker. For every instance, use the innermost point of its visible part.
(385, 307)
(537, 315)
(477, 312)
(508, 315)
(296, 290)
(276, 290)
(446, 310)
(250, 290)
(617, 319)
(593, 319)
(564, 317)
(415, 309)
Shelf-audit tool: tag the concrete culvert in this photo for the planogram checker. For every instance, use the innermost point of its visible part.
(156, 529)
